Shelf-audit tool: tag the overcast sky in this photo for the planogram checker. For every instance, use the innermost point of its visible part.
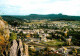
(25, 7)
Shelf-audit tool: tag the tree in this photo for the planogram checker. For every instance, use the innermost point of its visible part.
(13, 36)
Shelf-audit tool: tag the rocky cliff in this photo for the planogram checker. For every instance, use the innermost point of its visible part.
(10, 48)
(17, 49)
(4, 32)
(4, 37)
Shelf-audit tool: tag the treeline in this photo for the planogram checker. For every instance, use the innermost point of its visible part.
(19, 19)
(12, 20)
(56, 17)
(53, 17)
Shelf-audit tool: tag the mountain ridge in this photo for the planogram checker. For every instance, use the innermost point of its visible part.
(54, 17)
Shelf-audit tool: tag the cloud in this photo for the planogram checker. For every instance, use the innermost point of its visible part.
(66, 7)
(69, 7)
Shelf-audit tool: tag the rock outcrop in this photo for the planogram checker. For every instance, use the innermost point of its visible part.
(13, 49)
(20, 47)
(4, 32)
(17, 49)
(4, 37)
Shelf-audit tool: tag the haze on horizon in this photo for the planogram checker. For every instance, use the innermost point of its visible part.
(25, 7)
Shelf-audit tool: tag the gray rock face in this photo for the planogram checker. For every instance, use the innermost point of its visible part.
(21, 47)
(4, 29)
(18, 50)
(4, 36)
(4, 32)
(13, 50)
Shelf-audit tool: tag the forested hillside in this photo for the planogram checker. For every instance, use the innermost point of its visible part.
(56, 17)
(19, 19)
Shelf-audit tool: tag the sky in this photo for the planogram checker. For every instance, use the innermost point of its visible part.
(26, 7)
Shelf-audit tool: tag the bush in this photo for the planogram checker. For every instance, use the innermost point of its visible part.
(13, 36)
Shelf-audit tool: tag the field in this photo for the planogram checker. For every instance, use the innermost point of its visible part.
(54, 42)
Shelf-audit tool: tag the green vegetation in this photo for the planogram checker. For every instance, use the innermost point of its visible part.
(54, 42)
(43, 52)
(16, 20)
(13, 36)
(76, 37)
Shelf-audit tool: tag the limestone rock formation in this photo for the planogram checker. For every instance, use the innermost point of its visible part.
(21, 47)
(8, 49)
(18, 50)
(4, 32)
(4, 37)
(13, 49)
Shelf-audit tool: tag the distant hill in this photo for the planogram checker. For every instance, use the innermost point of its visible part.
(53, 17)
(56, 17)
